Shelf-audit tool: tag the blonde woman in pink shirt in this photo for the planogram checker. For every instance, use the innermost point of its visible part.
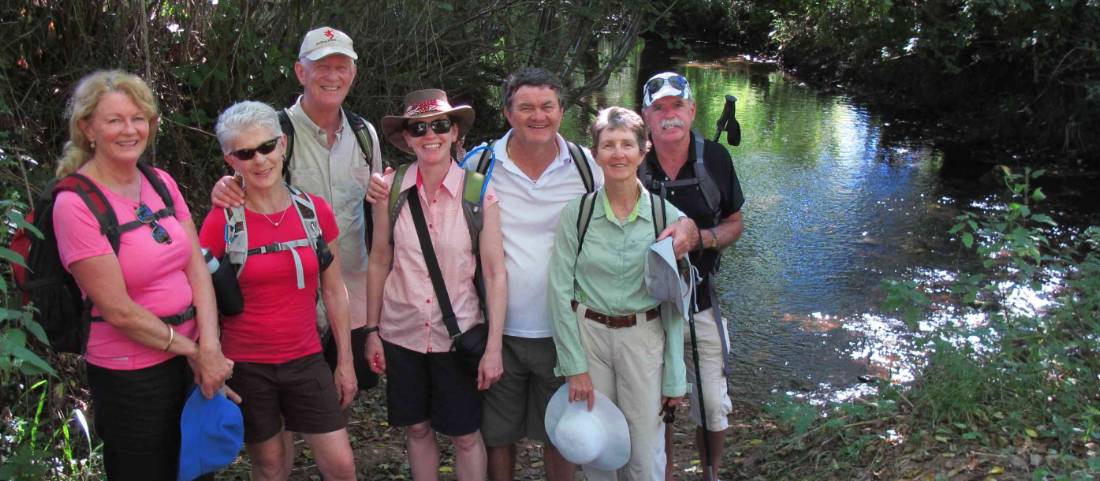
(427, 388)
(155, 325)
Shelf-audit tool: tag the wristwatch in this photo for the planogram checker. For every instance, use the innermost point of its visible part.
(369, 330)
(713, 238)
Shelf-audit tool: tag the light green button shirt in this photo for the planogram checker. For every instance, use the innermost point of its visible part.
(608, 277)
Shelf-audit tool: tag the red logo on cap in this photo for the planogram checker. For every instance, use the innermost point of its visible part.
(430, 105)
(329, 34)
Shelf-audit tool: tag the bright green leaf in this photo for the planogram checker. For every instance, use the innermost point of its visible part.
(967, 239)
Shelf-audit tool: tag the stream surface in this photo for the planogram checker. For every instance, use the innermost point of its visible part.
(836, 203)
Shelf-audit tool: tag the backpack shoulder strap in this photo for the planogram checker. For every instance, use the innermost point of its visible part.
(161, 189)
(307, 211)
(473, 194)
(711, 194)
(97, 203)
(660, 217)
(584, 217)
(397, 196)
(583, 167)
(362, 130)
(288, 128)
(236, 237)
(486, 159)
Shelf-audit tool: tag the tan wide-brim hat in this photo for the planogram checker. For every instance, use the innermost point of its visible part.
(421, 104)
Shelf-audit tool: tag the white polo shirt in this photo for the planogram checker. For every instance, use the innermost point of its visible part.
(529, 214)
(340, 175)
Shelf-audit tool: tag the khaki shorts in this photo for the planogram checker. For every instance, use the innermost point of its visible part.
(515, 406)
(715, 388)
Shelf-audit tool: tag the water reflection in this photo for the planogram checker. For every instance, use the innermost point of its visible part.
(834, 205)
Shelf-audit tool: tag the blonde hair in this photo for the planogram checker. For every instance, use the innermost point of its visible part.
(90, 89)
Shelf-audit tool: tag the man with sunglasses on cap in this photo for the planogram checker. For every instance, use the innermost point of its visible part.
(712, 198)
(326, 159)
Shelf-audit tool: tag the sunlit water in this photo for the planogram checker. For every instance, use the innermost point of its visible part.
(835, 205)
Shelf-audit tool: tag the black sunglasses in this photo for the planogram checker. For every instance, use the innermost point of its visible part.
(677, 82)
(420, 129)
(146, 216)
(264, 148)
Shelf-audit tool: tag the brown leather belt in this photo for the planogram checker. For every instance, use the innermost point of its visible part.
(616, 322)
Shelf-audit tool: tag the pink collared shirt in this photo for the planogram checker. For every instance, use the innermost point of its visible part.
(411, 317)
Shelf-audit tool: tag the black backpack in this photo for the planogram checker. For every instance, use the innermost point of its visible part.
(61, 309)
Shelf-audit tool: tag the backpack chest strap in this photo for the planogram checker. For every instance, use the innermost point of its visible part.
(287, 246)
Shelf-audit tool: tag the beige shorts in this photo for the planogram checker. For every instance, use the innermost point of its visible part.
(716, 395)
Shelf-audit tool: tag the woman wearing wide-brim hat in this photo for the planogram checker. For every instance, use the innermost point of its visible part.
(427, 389)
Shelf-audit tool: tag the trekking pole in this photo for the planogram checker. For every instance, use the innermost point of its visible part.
(728, 123)
(692, 278)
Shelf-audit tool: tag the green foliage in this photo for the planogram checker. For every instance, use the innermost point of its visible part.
(200, 57)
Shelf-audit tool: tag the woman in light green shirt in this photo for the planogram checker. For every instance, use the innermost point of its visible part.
(607, 328)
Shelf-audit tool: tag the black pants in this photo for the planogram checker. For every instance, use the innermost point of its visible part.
(137, 415)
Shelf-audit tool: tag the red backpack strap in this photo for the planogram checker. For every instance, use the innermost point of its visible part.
(97, 203)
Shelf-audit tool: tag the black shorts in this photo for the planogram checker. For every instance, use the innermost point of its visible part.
(300, 392)
(430, 387)
(367, 378)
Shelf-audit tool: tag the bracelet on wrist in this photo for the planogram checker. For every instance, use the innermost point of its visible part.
(368, 330)
(171, 338)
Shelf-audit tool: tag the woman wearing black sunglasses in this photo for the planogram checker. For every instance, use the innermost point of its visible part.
(427, 389)
(154, 325)
(282, 244)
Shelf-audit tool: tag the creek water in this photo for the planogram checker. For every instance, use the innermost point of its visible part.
(835, 204)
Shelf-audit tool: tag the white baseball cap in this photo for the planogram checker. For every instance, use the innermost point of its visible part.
(322, 42)
(665, 84)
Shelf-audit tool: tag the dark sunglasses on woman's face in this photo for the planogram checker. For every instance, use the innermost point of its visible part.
(420, 129)
(264, 148)
(145, 215)
(677, 82)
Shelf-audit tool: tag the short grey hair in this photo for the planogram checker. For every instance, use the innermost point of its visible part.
(244, 115)
(614, 118)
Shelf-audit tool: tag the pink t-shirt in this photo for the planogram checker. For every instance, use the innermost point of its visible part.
(410, 315)
(153, 272)
(279, 322)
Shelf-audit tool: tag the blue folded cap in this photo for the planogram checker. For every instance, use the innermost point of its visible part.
(211, 431)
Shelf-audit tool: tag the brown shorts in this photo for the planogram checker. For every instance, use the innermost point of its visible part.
(299, 392)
